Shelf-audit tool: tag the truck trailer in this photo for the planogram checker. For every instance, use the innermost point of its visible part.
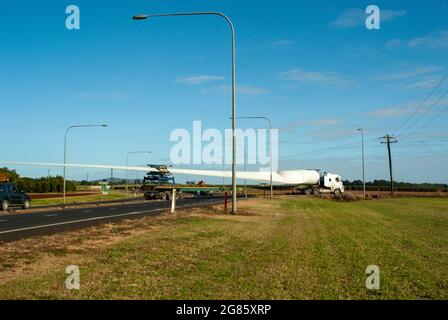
(159, 185)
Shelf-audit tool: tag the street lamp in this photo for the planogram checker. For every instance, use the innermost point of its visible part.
(232, 29)
(363, 175)
(270, 147)
(127, 158)
(65, 146)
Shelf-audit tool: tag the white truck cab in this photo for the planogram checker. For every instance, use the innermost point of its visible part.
(333, 182)
(322, 183)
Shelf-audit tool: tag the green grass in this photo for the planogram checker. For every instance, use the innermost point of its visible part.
(78, 199)
(298, 248)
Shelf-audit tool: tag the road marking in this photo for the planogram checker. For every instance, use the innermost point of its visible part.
(3, 220)
(93, 219)
(86, 211)
(51, 215)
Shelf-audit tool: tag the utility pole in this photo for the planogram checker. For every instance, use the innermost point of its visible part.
(223, 178)
(390, 139)
(245, 169)
(363, 171)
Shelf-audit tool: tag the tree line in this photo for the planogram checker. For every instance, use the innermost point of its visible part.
(37, 185)
(384, 185)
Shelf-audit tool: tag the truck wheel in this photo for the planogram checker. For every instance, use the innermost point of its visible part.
(337, 193)
(26, 205)
(308, 191)
(5, 205)
(316, 192)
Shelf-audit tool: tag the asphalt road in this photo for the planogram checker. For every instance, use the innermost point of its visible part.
(18, 226)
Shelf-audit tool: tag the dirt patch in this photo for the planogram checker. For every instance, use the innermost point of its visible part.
(59, 195)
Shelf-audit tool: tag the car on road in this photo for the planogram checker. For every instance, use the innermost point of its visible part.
(11, 196)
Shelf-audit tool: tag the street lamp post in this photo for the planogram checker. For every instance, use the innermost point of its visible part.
(232, 29)
(270, 147)
(127, 160)
(363, 174)
(65, 148)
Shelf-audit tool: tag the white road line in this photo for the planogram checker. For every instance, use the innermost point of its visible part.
(93, 219)
(51, 215)
(3, 220)
(86, 211)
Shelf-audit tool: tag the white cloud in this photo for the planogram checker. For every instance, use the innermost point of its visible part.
(425, 83)
(388, 15)
(392, 112)
(350, 18)
(282, 43)
(192, 80)
(331, 133)
(241, 89)
(433, 40)
(401, 75)
(325, 122)
(425, 77)
(99, 95)
(356, 17)
(292, 126)
(394, 43)
(313, 77)
(404, 109)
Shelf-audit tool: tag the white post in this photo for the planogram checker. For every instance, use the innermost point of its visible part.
(173, 202)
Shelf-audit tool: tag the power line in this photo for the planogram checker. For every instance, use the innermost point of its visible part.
(426, 111)
(329, 149)
(432, 119)
(422, 104)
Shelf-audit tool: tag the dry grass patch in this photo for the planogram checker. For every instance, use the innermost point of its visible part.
(287, 248)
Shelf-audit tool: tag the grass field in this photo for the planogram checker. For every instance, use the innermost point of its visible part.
(76, 199)
(294, 248)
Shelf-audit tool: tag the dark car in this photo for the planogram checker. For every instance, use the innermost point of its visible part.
(11, 196)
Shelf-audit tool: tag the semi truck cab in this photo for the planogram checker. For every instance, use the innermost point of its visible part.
(322, 183)
(332, 182)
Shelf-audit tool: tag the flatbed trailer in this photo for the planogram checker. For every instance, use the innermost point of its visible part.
(153, 192)
(161, 184)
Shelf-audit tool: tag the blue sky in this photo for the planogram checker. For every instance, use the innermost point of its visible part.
(312, 67)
